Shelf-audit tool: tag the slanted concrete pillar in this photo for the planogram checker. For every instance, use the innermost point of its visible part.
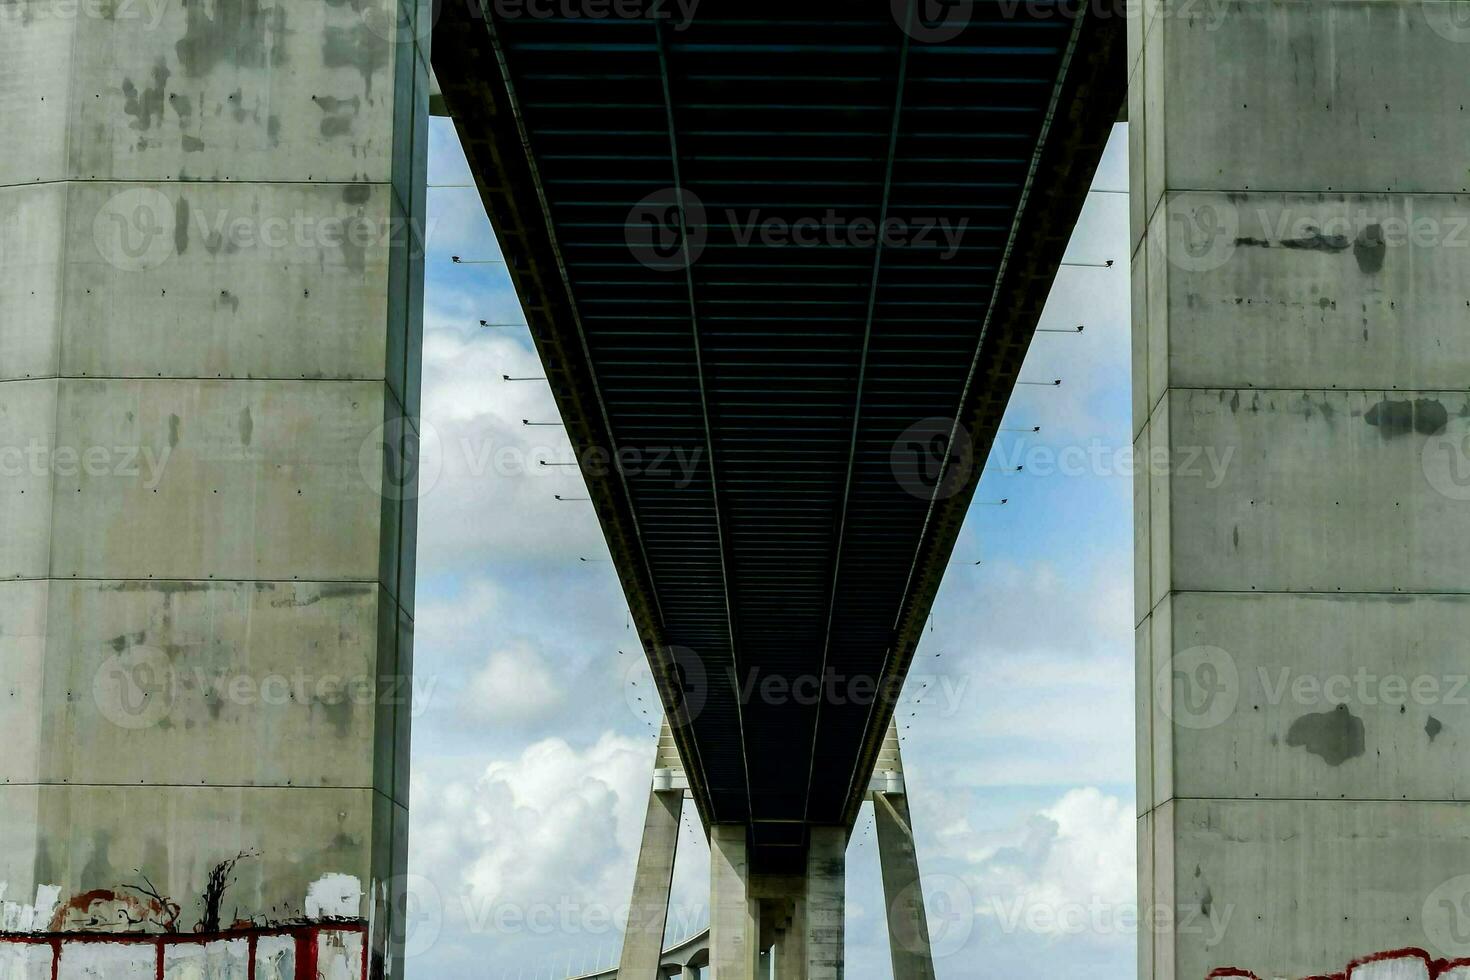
(826, 880)
(652, 881)
(1303, 521)
(903, 894)
(735, 922)
(210, 294)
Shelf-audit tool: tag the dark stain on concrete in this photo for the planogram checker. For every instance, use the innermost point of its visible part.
(338, 114)
(1370, 249)
(181, 226)
(238, 33)
(1333, 736)
(355, 47)
(355, 232)
(146, 105)
(173, 431)
(1398, 417)
(229, 299)
(191, 144)
(247, 426)
(1317, 242)
(1433, 727)
(1314, 242)
(356, 193)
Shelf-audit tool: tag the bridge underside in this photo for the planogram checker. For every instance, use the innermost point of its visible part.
(688, 213)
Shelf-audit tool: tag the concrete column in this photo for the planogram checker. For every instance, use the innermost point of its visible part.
(210, 303)
(1303, 523)
(826, 879)
(790, 950)
(903, 894)
(652, 881)
(689, 973)
(735, 922)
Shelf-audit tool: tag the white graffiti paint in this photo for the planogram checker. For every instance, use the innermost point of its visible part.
(33, 917)
(334, 896)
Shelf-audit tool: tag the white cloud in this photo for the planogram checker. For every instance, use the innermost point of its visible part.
(513, 686)
(1069, 872)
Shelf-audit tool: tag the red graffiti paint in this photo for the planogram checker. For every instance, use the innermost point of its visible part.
(1434, 968)
(308, 939)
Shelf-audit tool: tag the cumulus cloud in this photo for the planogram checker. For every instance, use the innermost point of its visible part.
(514, 685)
(1070, 872)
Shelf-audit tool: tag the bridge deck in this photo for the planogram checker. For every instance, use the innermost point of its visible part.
(647, 180)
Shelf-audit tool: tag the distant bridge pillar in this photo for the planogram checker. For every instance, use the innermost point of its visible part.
(1302, 507)
(908, 926)
(654, 876)
(210, 296)
(903, 893)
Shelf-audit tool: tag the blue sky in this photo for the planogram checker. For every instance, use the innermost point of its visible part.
(532, 752)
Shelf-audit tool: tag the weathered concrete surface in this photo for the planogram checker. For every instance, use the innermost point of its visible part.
(210, 301)
(734, 925)
(825, 905)
(903, 892)
(648, 912)
(1301, 244)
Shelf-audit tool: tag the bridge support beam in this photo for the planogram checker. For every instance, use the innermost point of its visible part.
(825, 905)
(1302, 520)
(908, 927)
(652, 881)
(209, 332)
(735, 921)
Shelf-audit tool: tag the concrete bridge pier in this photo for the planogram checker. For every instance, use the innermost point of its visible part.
(210, 293)
(795, 918)
(1302, 515)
